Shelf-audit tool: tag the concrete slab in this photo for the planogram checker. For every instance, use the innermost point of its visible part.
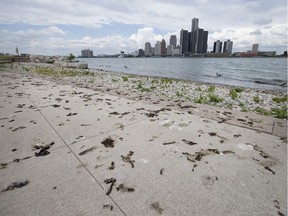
(164, 161)
(58, 184)
(237, 167)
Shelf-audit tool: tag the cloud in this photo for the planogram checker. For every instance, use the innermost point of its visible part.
(238, 20)
(263, 21)
(256, 32)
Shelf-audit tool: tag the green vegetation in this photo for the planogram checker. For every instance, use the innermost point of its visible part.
(256, 99)
(166, 81)
(70, 57)
(262, 111)
(143, 89)
(215, 99)
(233, 94)
(243, 107)
(125, 78)
(199, 89)
(154, 81)
(211, 89)
(280, 99)
(238, 89)
(280, 112)
(211, 99)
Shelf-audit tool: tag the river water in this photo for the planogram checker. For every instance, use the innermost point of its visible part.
(257, 73)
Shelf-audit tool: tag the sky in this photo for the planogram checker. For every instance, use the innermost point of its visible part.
(51, 27)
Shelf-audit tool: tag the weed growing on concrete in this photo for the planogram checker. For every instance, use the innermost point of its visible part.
(256, 99)
(280, 112)
(280, 99)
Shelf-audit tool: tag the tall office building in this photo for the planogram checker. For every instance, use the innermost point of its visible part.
(198, 38)
(163, 47)
(255, 48)
(158, 48)
(217, 48)
(148, 49)
(194, 26)
(205, 42)
(87, 53)
(173, 41)
(228, 45)
(183, 41)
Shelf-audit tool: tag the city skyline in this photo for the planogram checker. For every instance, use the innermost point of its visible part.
(69, 26)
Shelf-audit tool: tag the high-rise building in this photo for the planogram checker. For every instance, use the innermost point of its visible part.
(169, 50)
(158, 48)
(194, 26)
(217, 48)
(228, 45)
(148, 49)
(255, 48)
(173, 41)
(86, 53)
(163, 47)
(198, 38)
(205, 42)
(183, 41)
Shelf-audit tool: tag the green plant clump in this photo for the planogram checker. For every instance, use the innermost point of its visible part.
(256, 99)
(280, 112)
(125, 78)
(233, 94)
(215, 99)
(280, 99)
(211, 89)
(262, 111)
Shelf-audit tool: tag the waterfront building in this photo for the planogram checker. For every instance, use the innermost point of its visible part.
(169, 50)
(163, 47)
(194, 36)
(173, 41)
(217, 48)
(148, 49)
(183, 41)
(158, 48)
(228, 46)
(86, 53)
(141, 53)
(198, 38)
(255, 48)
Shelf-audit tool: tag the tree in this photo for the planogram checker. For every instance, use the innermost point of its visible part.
(17, 51)
(70, 57)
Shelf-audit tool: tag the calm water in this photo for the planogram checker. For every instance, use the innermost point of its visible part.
(260, 73)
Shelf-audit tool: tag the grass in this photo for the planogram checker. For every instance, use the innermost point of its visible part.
(166, 81)
(280, 112)
(233, 94)
(256, 99)
(280, 99)
(211, 89)
(262, 111)
(210, 99)
(125, 78)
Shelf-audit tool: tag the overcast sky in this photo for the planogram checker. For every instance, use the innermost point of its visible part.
(53, 27)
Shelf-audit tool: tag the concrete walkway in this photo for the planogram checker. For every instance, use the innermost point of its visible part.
(72, 151)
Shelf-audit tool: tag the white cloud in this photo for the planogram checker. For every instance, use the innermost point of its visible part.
(245, 22)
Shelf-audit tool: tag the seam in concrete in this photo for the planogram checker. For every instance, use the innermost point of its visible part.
(273, 127)
(75, 154)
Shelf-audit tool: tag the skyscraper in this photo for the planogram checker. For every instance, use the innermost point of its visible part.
(148, 49)
(255, 48)
(87, 53)
(228, 46)
(183, 41)
(173, 41)
(163, 47)
(158, 48)
(198, 38)
(194, 25)
(217, 48)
